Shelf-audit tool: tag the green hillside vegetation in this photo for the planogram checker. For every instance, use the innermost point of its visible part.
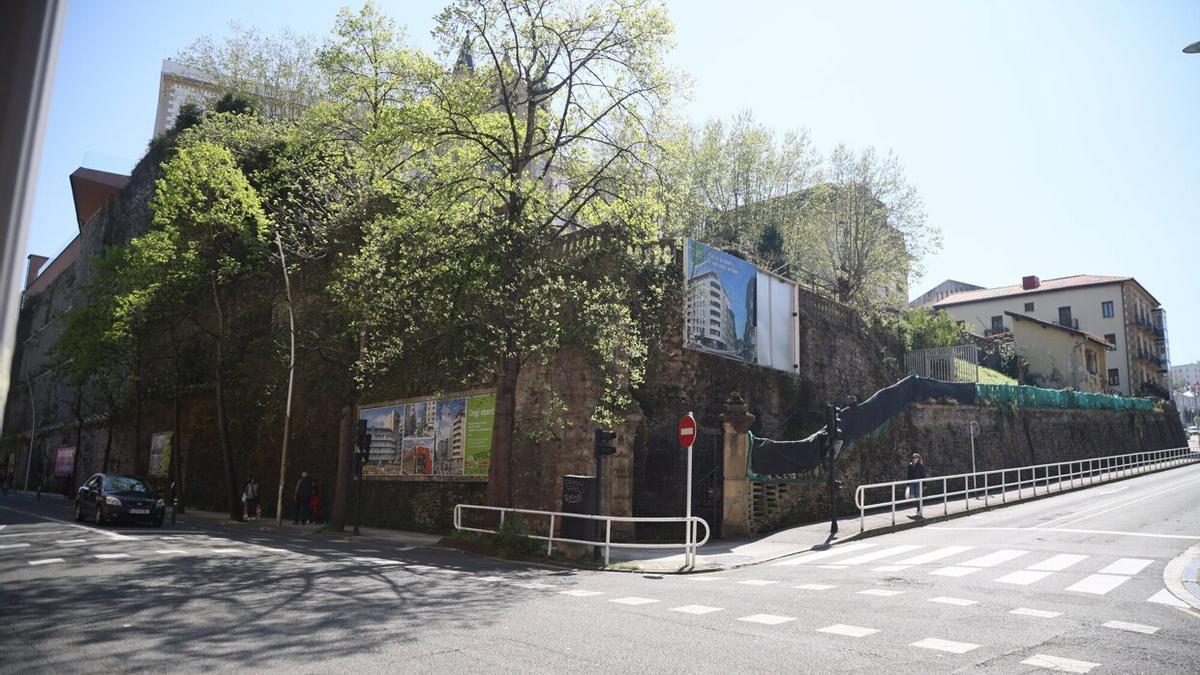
(965, 371)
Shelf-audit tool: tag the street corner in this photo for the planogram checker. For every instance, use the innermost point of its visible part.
(1182, 577)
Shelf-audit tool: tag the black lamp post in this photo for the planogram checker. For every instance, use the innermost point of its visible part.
(362, 451)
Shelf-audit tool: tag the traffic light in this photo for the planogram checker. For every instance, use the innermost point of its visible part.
(833, 422)
(606, 442)
(364, 438)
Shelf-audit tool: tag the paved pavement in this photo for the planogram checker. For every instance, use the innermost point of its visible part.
(1073, 582)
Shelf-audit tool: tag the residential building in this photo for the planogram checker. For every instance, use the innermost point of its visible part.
(1185, 376)
(1059, 357)
(942, 291)
(1188, 405)
(710, 319)
(384, 447)
(1117, 308)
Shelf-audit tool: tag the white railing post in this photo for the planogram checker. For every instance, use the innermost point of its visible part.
(607, 539)
(893, 503)
(945, 497)
(985, 489)
(550, 539)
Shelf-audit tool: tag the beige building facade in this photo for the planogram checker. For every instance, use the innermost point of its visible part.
(1117, 309)
(1059, 357)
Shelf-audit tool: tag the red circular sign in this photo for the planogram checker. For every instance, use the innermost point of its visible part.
(687, 430)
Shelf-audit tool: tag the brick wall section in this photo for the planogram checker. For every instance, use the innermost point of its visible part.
(417, 505)
(1007, 438)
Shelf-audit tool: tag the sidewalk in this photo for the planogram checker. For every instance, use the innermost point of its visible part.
(392, 537)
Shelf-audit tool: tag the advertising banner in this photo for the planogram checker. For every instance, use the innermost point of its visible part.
(721, 302)
(160, 454)
(64, 461)
(431, 437)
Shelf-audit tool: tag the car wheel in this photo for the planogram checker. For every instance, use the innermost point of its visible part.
(78, 513)
(99, 515)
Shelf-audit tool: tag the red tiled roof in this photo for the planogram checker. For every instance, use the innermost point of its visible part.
(1058, 284)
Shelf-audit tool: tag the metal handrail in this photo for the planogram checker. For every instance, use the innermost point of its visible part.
(690, 544)
(1086, 471)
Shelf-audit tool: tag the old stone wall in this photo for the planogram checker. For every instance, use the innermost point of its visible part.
(425, 504)
(1007, 437)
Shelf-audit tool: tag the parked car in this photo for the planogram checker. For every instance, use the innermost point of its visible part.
(1193, 430)
(107, 497)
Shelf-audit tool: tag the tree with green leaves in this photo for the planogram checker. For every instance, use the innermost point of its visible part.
(210, 232)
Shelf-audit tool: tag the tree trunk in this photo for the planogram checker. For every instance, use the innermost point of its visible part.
(287, 411)
(108, 434)
(231, 486)
(138, 396)
(175, 461)
(500, 480)
(345, 464)
(78, 441)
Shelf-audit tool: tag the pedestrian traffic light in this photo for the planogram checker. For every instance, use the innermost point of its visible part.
(364, 438)
(606, 442)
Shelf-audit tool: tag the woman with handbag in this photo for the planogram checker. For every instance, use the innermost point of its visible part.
(916, 471)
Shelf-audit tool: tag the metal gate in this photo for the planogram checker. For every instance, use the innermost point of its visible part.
(708, 477)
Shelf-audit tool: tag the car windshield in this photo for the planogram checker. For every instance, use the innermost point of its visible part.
(125, 486)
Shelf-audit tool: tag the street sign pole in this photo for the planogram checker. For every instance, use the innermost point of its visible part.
(687, 438)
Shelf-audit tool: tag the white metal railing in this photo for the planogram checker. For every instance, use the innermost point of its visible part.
(1064, 475)
(689, 545)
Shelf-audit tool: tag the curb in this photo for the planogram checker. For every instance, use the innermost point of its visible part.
(1182, 576)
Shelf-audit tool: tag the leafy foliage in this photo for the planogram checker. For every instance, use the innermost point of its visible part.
(931, 328)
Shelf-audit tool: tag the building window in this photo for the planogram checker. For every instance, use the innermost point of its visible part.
(1106, 308)
(1029, 307)
(997, 324)
(1110, 338)
(1114, 377)
(1064, 317)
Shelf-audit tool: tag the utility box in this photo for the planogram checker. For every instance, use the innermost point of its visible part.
(579, 496)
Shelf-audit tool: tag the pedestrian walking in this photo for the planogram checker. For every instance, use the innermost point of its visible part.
(250, 499)
(916, 471)
(304, 489)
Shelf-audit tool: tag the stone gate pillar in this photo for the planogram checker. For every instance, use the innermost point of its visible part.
(737, 498)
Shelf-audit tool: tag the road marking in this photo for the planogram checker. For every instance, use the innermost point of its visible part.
(1151, 535)
(1098, 584)
(1112, 490)
(880, 592)
(757, 582)
(1129, 566)
(1040, 613)
(3, 526)
(703, 577)
(112, 556)
(1058, 663)
(832, 567)
(890, 568)
(848, 631)
(421, 568)
(4, 547)
(1132, 627)
(935, 555)
(696, 609)
(815, 587)
(70, 542)
(579, 593)
(1058, 563)
(995, 558)
(46, 561)
(877, 555)
(958, 602)
(806, 558)
(767, 619)
(945, 645)
(226, 550)
(492, 579)
(633, 600)
(368, 560)
(171, 551)
(1155, 492)
(1164, 597)
(955, 571)
(1023, 578)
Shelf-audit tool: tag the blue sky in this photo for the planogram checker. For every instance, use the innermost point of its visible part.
(1047, 138)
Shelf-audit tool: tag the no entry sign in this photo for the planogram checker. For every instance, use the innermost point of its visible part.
(687, 431)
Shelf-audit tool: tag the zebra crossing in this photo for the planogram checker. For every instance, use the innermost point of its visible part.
(960, 561)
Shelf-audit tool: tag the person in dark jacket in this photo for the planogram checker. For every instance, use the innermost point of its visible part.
(304, 491)
(916, 471)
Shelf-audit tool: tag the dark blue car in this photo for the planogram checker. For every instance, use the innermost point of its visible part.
(109, 498)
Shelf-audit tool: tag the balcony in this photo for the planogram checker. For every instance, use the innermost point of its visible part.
(1069, 323)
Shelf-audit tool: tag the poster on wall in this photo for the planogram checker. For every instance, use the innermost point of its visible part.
(431, 437)
(721, 302)
(160, 454)
(64, 461)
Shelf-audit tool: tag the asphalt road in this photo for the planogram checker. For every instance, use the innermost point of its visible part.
(1071, 582)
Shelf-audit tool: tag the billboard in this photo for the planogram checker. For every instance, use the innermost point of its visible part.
(160, 454)
(736, 310)
(431, 437)
(64, 461)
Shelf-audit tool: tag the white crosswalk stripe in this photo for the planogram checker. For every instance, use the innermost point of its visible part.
(945, 645)
(955, 571)
(848, 631)
(1057, 563)
(1127, 566)
(1023, 577)
(890, 568)
(814, 587)
(1164, 597)
(935, 555)
(1132, 627)
(4, 547)
(111, 556)
(767, 619)
(1060, 664)
(579, 593)
(633, 600)
(171, 551)
(1040, 613)
(46, 561)
(1098, 584)
(757, 582)
(960, 602)
(696, 609)
(807, 558)
(879, 555)
(883, 593)
(995, 558)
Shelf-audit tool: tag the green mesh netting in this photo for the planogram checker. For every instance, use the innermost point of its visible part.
(1036, 397)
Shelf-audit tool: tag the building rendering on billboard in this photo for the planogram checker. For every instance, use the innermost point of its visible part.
(431, 437)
